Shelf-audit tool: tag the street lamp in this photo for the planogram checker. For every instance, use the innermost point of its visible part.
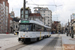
(72, 33)
(68, 28)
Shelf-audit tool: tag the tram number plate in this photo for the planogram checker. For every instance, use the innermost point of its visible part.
(23, 37)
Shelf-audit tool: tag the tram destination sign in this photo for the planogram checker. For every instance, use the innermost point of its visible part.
(24, 21)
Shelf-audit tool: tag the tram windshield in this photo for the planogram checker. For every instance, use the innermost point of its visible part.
(25, 27)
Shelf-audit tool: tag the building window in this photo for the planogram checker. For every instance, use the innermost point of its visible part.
(26, 12)
(26, 16)
(43, 14)
(14, 26)
(3, 3)
(12, 16)
(22, 16)
(44, 11)
(22, 12)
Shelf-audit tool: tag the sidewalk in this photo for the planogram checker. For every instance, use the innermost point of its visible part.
(6, 34)
(8, 42)
(68, 43)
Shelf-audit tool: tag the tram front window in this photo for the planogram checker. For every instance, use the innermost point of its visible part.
(25, 27)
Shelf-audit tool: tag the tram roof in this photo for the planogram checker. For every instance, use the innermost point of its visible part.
(39, 23)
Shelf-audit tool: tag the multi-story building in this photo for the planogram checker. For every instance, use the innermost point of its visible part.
(31, 16)
(10, 21)
(46, 14)
(4, 13)
(35, 16)
(59, 27)
(56, 26)
(72, 22)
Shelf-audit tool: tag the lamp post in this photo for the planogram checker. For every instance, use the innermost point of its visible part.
(68, 28)
(72, 33)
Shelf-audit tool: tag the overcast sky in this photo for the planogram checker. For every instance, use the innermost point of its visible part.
(62, 12)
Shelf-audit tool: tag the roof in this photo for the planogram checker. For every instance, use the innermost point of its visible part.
(16, 19)
(35, 14)
(38, 22)
(56, 21)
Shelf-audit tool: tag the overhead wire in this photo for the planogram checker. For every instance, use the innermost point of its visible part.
(45, 5)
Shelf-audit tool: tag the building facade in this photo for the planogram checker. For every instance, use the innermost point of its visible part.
(15, 24)
(56, 27)
(4, 14)
(30, 16)
(27, 12)
(35, 16)
(46, 14)
(11, 16)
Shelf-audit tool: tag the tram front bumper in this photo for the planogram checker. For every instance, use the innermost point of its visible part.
(27, 39)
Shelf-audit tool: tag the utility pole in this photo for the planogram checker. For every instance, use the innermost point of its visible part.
(24, 8)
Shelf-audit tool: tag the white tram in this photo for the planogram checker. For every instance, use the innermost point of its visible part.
(31, 31)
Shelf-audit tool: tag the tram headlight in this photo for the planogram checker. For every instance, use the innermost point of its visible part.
(23, 34)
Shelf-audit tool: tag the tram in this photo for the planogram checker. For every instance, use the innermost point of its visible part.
(31, 31)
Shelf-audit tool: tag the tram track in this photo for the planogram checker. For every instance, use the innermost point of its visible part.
(22, 45)
(16, 47)
(50, 45)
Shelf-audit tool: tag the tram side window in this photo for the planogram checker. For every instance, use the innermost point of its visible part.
(37, 27)
(25, 27)
(33, 27)
(46, 29)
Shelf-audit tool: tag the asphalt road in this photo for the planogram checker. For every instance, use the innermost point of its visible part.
(7, 36)
(45, 44)
(51, 45)
(16, 47)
